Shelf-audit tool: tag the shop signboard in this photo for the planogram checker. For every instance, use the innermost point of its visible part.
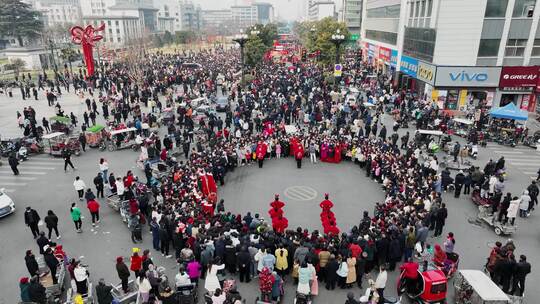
(393, 59)
(426, 72)
(517, 78)
(385, 54)
(409, 66)
(373, 51)
(467, 77)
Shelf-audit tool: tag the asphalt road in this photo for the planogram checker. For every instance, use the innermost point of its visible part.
(43, 185)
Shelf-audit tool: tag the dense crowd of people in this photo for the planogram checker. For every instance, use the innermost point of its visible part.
(280, 114)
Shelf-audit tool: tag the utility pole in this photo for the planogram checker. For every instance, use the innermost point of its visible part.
(241, 39)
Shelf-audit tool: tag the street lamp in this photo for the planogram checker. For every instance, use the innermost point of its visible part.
(51, 46)
(241, 39)
(337, 39)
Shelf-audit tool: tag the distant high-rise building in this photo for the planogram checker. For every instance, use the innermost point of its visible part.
(352, 15)
(191, 16)
(321, 9)
(59, 12)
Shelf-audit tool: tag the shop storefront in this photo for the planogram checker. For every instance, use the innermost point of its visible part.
(518, 85)
(461, 88)
(417, 76)
(382, 59)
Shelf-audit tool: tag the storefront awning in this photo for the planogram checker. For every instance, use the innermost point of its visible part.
(510, 111)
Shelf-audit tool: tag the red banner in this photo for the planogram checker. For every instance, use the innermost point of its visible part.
(519, 77)
(385, 54)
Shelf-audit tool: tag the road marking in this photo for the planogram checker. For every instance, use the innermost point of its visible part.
(15, 177)
(9, 190)
(520, 164)
(12, 184)
(42, 163)
(23, 173)
(524, 157)
(507, 152)
(530, 172)
(37, 168)
(301, 193)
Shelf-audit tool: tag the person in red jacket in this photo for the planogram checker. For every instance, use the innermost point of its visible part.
(299, 154)
(410, 274)
(136, 262)
(261, 152)
(93, 207)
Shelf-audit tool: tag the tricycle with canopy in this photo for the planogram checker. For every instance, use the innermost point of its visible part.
(430, 287)
(61, 124)
(122, 139)
(57, 141)
(96, 137)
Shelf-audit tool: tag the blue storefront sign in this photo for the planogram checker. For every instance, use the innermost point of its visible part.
(393, 58)
(409, 66)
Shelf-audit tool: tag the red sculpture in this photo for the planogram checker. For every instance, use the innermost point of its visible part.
(87, 37)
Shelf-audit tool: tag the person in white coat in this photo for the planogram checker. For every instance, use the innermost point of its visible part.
(212, 282)
(512, 210)
(380, 282)
(79, 186)
(525, 200)
(144, 288)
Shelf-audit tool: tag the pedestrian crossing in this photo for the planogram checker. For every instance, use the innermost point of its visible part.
(525, 159)
(30, 170)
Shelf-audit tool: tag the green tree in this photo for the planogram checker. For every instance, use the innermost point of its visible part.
(17, 65)
(167, 37)
(18, 20)
(69, 54)
(157, 41)
(183, 37)
(316, 36)
(267, 33)
(254, 51)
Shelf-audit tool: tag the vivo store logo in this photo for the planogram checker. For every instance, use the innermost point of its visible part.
(464, 76)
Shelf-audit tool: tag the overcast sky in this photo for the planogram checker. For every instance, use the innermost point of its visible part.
(286, 9)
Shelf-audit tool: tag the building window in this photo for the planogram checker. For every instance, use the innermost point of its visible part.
(419, 43)
(417, 10)
(515, 47)
(118, 31)
(523, 8)
(109, 22)
(496, 8)
(117, 23)
(489, 47)
(110, 31)
(118, 39)
(423, 11)
(429, 7)
(386, 37)
(536, 48)
(384, 12)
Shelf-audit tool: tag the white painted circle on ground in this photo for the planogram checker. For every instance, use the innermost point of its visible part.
(301, 193)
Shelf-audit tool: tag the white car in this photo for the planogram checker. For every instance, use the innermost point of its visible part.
(7, 206)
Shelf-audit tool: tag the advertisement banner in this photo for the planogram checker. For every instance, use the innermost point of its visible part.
(385, 54)
(519, 77)
(393, 59)
(525, 102)
(409, 66)
(467, 77)
(373, 51)
(426, 72)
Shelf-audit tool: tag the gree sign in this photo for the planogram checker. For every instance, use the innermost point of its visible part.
(480, 77)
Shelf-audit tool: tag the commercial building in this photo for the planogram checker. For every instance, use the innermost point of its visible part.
(265, 12)
(321, 9)
(352, 15)
(59, 12)
(168, 15)
(244, 16)
(190, 16)
(456, 51)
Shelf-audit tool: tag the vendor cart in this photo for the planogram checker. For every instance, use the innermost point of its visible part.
(484, 215)
(462, 127)
(61, 124)
(53, 291)
(96, 137)
(125, 298)
(55, 143)
(122, 139)
(475, 287)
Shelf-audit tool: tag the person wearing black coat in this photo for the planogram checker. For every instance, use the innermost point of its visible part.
(382, 246)
(440, 219)
(42, 241)
(394, 253)
(123, 273)
(230, 257)
(164, 239)
(458, 182)
(31, 219)
(51, 221)
(504, 207)
(98, 182)
(13, 163)
(52, 263)
(103, 292)
(31, 263)
(331, 273)
(506, 269)
(37, 291)
(243, 261)
(522, 269)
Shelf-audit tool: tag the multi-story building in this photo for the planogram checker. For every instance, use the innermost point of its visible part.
(59, 12)
(218, 22)
(244, 16)
(190, 16)
(321, 9)
(168, 15)
(265, 12)
(458, 52)
(352, 15)
(125, 20)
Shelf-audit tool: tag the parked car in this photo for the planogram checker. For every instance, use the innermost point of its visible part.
(7, 206)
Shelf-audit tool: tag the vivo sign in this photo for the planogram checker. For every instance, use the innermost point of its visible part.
(464, 76)
(467, 76)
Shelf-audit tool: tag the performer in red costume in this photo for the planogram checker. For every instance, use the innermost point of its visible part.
(261, 152)
(277, 203)
(326, 204)
(280, 224)
(208, 184)
(298, 155)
